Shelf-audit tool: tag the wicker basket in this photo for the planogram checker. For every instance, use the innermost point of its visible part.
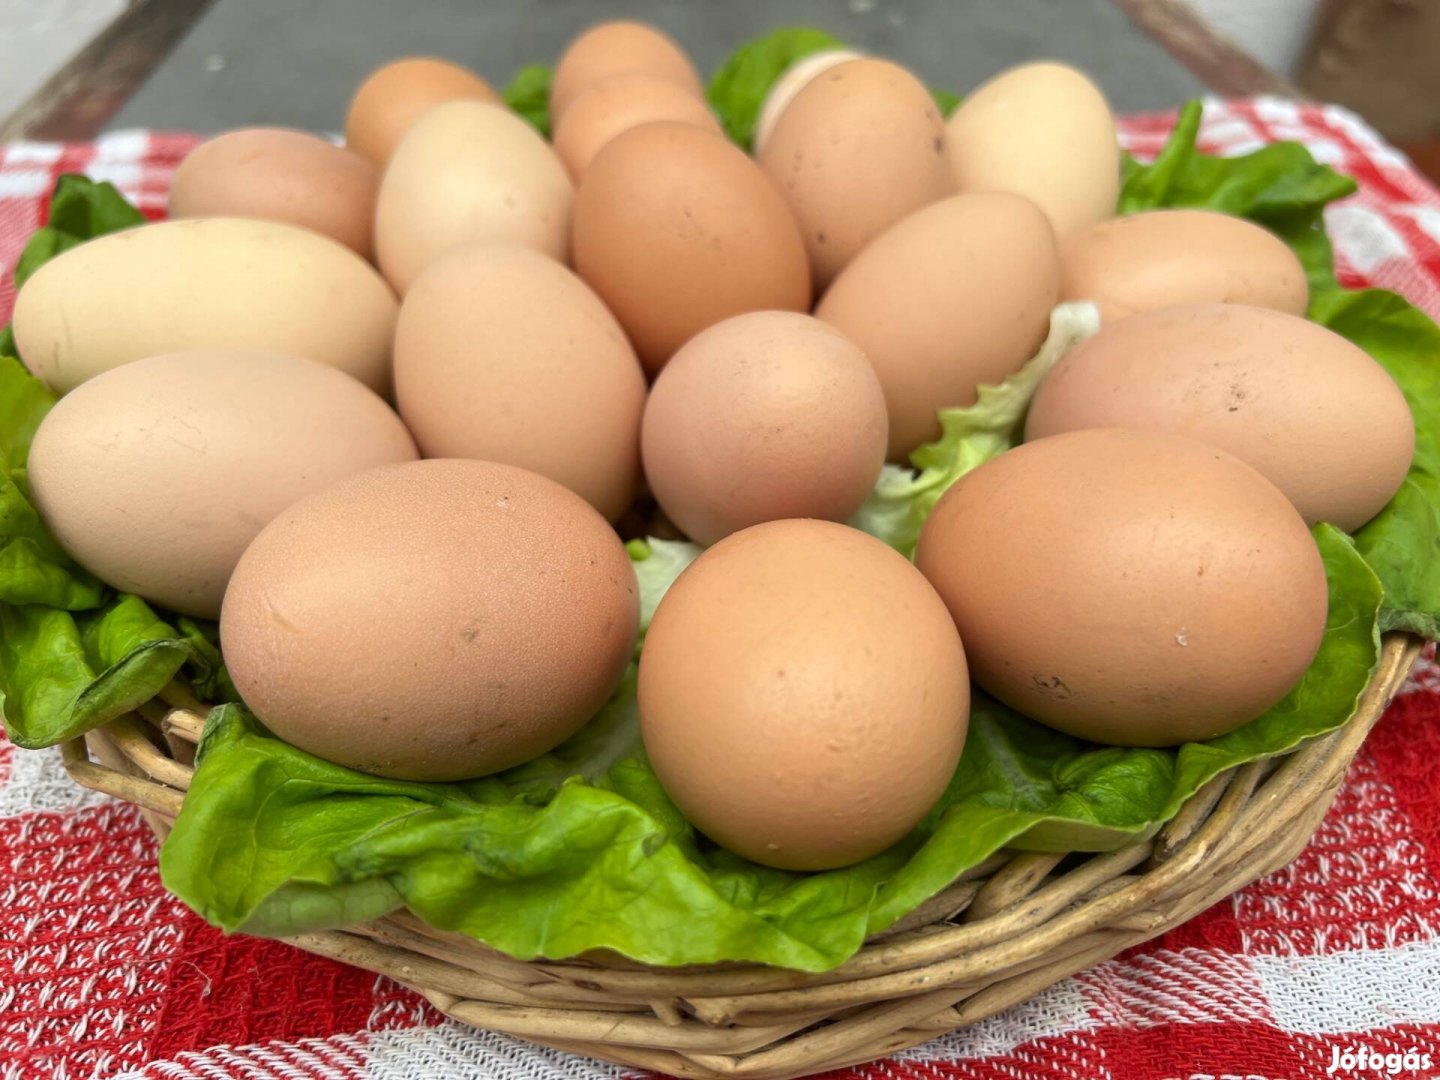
(1007, 929)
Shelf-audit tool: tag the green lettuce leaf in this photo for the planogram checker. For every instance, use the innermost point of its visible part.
(1280, 186)
(903, 498)
(738, 88)
(581, 849)
(529, 96)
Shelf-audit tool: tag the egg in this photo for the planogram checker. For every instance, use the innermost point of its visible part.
(393, 97)
(803, 695)
(794, 79)
(619, 48)
(469, 171)
(505, 355)
(156, 475)
(954, 296)
(1128, 587)
(435, 620)
(1044, 131)
(763, 416)
(280, 175)
(676, 229)
(617, 104)
(1312, 412)
(1165, 258)
(860, 147)
(204, 283)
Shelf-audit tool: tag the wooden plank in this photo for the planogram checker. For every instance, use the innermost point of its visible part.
(77, 101)
(1220, 64)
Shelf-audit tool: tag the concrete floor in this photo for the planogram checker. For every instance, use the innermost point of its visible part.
(296, 62)
(37, 37)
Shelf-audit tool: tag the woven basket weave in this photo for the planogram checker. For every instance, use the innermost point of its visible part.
(1005, 930)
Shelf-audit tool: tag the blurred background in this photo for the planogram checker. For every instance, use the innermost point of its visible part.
(74, 68)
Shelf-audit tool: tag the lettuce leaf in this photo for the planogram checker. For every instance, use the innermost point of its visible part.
(903, 498)
(529, 96)
(738, 88)
(581, 849)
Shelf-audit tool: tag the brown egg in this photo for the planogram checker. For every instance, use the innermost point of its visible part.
(469, 171)
(618, 48)
(393, 97)
(618, 104)
(1312, 412)
(860, 147)
(763, 416)
(956, 295)
(795, 78)
(1043, 131)
(803, 695)
(280, 175)
(1165, 258)
(677, 229)
(156, 475)
(204, 283)
(431, 621)
(1128, 587)
(504, 355)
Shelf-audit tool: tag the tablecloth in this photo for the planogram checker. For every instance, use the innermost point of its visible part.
(103, 974)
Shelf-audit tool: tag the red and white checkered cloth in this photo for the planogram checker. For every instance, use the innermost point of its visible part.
(103, 974)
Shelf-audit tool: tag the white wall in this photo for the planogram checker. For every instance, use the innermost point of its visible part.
(1275, 31)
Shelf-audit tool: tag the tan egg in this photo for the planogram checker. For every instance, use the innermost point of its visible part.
(280, 175)
(504, 355)
(803, 695)
(676, 229)
(156, 476)
(618, 104)
(205, 283)
(393, 97)
(1165, 258)
(619, 48)
(1044, 131)
(1128, 587)
(795, 78)
(436, 620)
(859, 148)
(764, 416)
(956, 295)
(1312, 412)
(469, 171)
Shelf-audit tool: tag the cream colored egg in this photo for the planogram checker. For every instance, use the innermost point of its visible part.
(394, 96)
(503, 354)
(156, 475)
(205, 283)
(469, 171)
(1044, 131)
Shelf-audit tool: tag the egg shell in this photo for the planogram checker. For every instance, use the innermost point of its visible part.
(469, 171)
(803, 695)
(280, 175)
(1166, 258)
(156, 475)
(618, 104)
(436, 620)
(1128, 587)
(1312, 412)
(618, 48)
(860, 147)
(504, 355)
(956, 295)
(204, 283)
(1044, 131)
(794, 79)
(764, 416)
(677, 229)
(393, 97)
